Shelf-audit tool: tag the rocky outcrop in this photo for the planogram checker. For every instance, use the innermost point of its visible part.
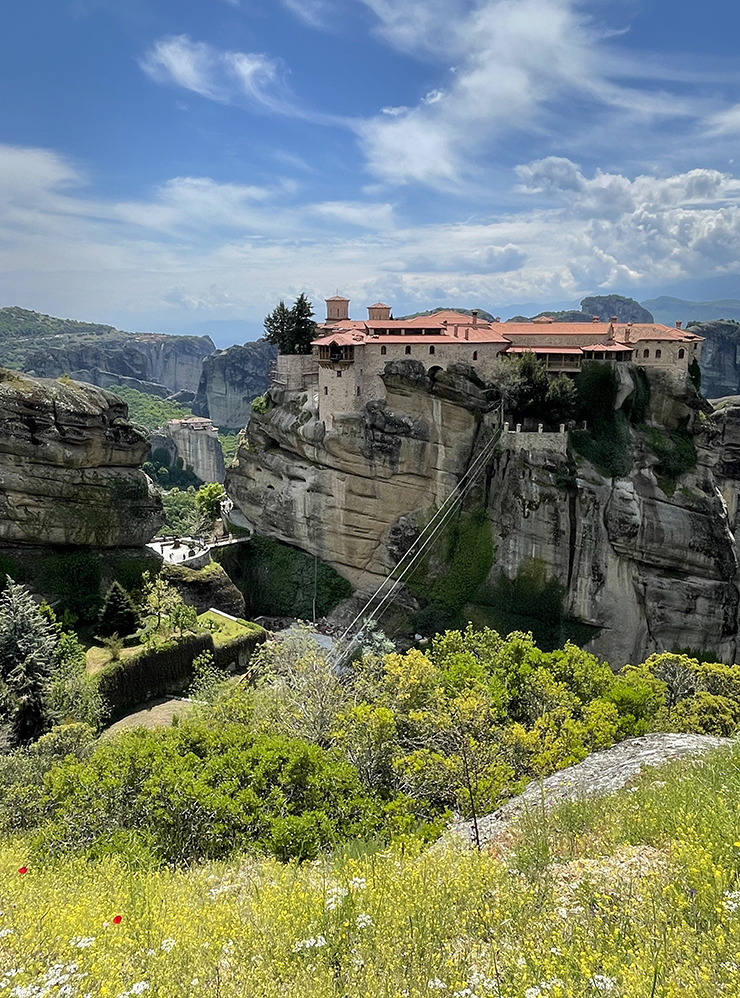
(205, 588)
(652, 565)
(70, 468)
(720, 358)
(196, 442)
(606, 306)
(170, 363)
(230, 380)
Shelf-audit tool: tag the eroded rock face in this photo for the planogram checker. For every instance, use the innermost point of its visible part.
(70, 468)
(152, 362)
(653, 571)
(230, 380)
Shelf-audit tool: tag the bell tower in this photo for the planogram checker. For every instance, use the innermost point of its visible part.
(337, 308)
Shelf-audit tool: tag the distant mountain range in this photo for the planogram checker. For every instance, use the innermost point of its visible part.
(668, 310)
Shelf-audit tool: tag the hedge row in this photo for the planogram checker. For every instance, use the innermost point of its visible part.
(168, 668)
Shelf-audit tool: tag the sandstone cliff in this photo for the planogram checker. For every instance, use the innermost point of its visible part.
(199, 448)
(650, 563)
(151, 362)
(230, 380)
(70, 468)
(720, 357)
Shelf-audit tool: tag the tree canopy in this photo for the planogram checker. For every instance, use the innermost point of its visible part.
(291, 329)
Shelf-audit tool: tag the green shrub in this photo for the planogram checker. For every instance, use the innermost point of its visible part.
(606, 441)
(675, 452)
(194, 792)
(118, 615)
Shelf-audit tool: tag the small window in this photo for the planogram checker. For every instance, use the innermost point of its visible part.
(326, 390)
(475, 355)
(695, 345)
(682, 353)
(384, 350)
(431, 349)
(658, 354)
(408, 349)
(339, 374)
(645, 353)
(358, 389)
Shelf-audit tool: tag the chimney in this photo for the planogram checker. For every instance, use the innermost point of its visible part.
(474, 313)
(455, 329)
(497, 319)
(615, 318)
(678, 323)
(467, 333)
(595, 318)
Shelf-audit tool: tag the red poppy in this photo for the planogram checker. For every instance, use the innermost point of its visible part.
(116, 919)
(23, 869)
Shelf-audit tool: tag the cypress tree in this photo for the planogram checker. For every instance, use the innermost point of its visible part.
(304, 327)
(279, 328)
(118, 615)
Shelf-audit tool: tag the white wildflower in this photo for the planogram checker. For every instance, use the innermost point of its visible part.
(357, 883)
(732, 900)
(82, 942)
(602, 983)
(364, 921)
(315, 942)
(5, 932)
(335, 897)
(167, 945)
(436, 985)
(139, 988)
(533, 992)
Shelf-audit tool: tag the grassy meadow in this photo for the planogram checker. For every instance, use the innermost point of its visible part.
(628, 896)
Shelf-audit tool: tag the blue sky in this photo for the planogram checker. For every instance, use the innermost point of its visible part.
(166, 163)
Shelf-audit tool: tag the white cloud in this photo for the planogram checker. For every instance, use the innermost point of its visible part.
(520, 67)
(227, 77)
(233, 250)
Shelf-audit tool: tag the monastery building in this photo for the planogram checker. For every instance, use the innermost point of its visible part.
(349, 355)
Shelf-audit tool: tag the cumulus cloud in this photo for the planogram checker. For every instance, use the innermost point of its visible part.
(229, 249)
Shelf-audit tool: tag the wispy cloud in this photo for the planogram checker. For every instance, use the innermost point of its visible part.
(227, 77)
(519, 68)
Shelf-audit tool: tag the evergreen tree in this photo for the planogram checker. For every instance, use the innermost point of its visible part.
(118, 615)
(279, 328)
(27, 644)
(291, 329)
(304, 327)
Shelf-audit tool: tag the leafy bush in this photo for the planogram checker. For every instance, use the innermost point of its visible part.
(606, 441)
(675, 452)
(194, 792)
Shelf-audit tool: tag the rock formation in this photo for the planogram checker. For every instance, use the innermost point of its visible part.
(151, 362)
(230, 380)
(70, 468)
(720, 358)
(625, 309)
(651, 564)
(195, 440)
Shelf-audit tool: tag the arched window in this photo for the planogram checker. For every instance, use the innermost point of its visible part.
(431, 349)
(384, 350)
(645, 353)
(658, 354)
(682, 353)
(408, 349)
(326, 390)
(475, 355)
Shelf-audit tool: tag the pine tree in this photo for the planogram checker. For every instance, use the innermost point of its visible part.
(118, 615)
(291, 329)
(304, 327)
(27, 643)
(279, 328)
